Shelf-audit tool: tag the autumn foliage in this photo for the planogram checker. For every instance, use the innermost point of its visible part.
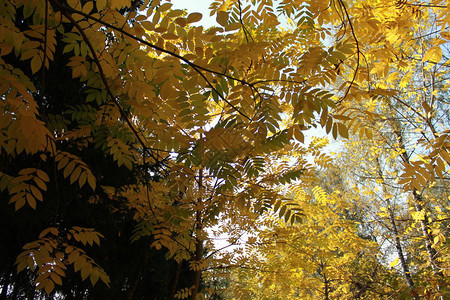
(132, 139)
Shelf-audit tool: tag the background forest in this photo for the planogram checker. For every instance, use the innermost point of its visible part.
(144, 156)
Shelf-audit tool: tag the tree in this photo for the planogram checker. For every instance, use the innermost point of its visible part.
(191, 113)
(320, 258)
(200, 123)
(400, 156)
(407, 112)
(69, 205)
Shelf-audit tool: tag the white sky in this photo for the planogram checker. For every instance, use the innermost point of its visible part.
(201, 6)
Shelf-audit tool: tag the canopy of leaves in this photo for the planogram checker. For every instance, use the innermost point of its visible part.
(131, 137)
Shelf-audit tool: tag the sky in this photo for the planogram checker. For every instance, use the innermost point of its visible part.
(200, 6)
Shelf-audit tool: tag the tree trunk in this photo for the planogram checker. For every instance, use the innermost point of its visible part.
(198, 255)
(401, 256)
(197, 258)
(136, 282)
(326, 282)
(327, 288)
(426, 232)
(176, 277)
(398, 244)
(418, 205)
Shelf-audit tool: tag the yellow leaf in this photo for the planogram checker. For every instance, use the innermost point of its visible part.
(94, 276)
(194, 17)
(48, 286)
(82, 179)
(394, 263)
(169, 36)
(175, 13)
(40, 183)
(36, 193)
(56, 278)
(342, 129)
(21, 265)
(19, 203)
(59, 271)
(444, 154)
(88, 7)
(100, 4)
(74, 3)
(91, 180)
(434, 54)
(368, 133)
(222, 18)
(42, 175)
(63, 162)
(164, 7)
(69, 169)
(79, 262)
(51, 230)
(233, 26)
(105, 278)
(36, 64)
(27, 171)
(73, 256)
(418, 216)
(181, 21)
(59, 255)
(75, 175)
(298, 134)
(31, 201)
(118, 3)
(436, 240)
(86, 270)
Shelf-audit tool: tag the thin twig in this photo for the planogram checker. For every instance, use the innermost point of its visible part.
(358, 51)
